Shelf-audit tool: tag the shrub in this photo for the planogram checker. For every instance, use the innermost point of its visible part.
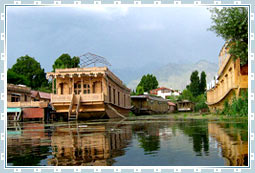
(238, 107)
(200, 103)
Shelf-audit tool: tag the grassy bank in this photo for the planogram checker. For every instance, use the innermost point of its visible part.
(187, 116)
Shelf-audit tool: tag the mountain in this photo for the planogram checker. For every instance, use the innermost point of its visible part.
(172, 75)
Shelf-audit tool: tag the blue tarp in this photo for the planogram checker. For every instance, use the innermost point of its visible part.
(13, 110)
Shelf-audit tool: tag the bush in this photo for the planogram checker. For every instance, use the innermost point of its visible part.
(239, 106)
(200, 103)
(226, 108)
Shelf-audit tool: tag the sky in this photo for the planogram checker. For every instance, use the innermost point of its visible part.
(126, 37)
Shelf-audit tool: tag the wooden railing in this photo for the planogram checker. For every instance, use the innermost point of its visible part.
(61, 98)
(84, 98)
(27, 104)
(92, 97)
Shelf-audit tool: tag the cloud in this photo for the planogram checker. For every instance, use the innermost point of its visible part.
(109, 13)
(151, 27)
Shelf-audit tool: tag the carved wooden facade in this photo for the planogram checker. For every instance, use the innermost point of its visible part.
(88, 92)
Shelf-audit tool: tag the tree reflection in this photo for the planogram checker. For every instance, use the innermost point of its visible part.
(148, 137)
(149, 143)
(198, 131)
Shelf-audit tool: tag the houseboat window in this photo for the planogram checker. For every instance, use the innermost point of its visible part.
(118, 98)
(25, 98)
(77, 88)
(86, 89)
(110, 94)
(124, 100)
(15, 98)
(113, 96)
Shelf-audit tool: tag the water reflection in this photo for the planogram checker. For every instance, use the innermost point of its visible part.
(27, 144)
(106, 143)
(198, 131)
(88, 145)
(234, 149)
(148, 137)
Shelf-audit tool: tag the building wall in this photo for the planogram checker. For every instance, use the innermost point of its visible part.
(152, 105)
(158, 106)
(117, 95)
(22, 96)
(232, 78)
(95, 85)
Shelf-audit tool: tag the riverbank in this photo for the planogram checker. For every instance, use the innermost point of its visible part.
(188, 115)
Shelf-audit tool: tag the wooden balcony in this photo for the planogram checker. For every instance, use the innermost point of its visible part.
(55, 98)
(34, 104)
(84, 98)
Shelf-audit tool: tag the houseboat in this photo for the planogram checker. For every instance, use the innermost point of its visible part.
(185, 106)
(231, 79)
(146, 105)
(20, 104)
(90, 92)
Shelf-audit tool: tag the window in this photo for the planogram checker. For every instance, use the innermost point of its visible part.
(15, 98)
(124, 100)
(77, 88)
(86, 89)
(25, 98)
(110, 94)
(118, 98)
(114, 96)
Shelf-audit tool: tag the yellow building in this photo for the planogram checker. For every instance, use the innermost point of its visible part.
(90, 92)
(231, 79)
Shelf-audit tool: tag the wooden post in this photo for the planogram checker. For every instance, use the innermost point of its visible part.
(53, 88)
(82, 83)
(90, 84)
(72, 84)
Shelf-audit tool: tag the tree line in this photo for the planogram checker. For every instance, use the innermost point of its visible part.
(27, 71)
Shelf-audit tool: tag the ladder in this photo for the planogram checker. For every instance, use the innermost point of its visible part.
(74, 115)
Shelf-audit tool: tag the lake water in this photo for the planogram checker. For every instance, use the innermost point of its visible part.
(153, 142)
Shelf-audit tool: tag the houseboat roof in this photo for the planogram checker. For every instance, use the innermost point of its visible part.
(185, 101)
(171, 104)
(42, 95)
(18, 88)
(87, 71)
(148, 97)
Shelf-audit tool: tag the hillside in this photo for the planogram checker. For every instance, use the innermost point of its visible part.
(172, 75)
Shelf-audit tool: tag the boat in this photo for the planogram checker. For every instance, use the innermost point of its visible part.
(185, 106)
(89, 92)
(147, 105)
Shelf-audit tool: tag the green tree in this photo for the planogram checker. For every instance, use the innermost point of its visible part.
(202, 83)
(65, 61)
(17, 79)
(186, 95)
(75, 61)
(139, 90)
(31, 70)
(148, 82)
(232, 25)
(194, 84)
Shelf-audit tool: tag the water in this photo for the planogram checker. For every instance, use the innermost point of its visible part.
(154, 142)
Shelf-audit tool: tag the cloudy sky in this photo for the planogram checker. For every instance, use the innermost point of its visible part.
(127, 37)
